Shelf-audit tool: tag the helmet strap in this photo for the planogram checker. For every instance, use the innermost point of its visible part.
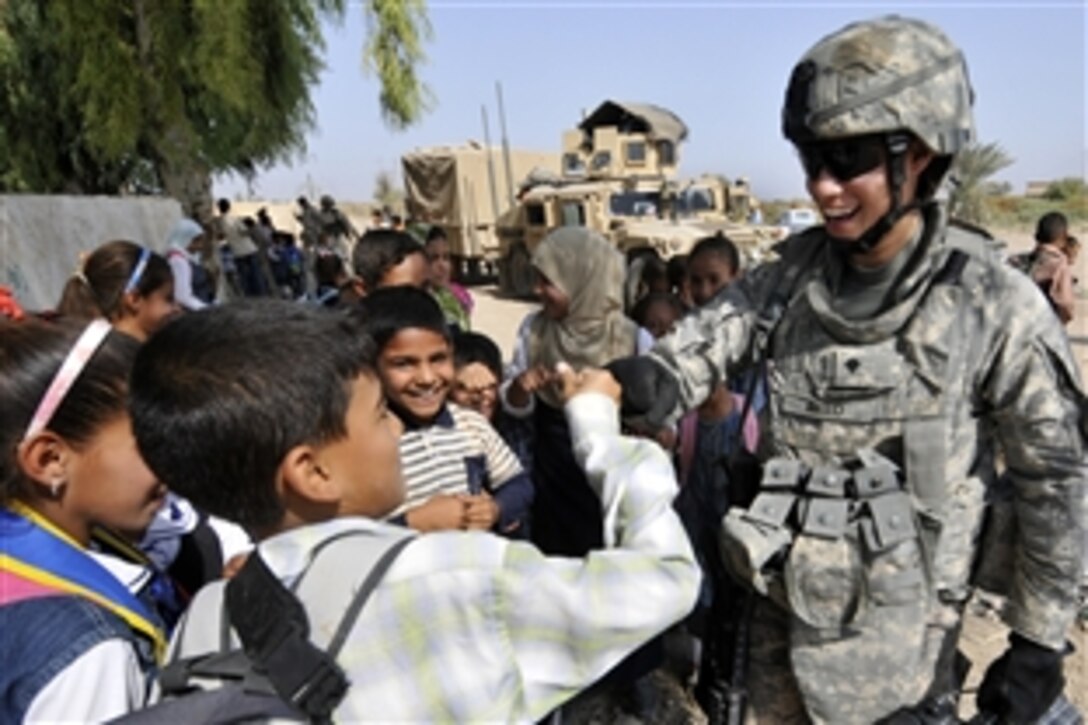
(897, 145)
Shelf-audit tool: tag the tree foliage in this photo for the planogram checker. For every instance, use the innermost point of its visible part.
(1068, 189)
(387, 194)
(112, 96)
(973, 166)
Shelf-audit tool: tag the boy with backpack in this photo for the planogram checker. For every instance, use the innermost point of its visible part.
(461, 626)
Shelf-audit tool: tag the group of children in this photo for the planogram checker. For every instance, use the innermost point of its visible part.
(548, 549)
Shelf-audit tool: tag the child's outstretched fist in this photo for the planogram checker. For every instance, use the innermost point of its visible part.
(587, 380)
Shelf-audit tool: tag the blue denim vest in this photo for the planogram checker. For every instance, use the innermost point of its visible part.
(41, 637)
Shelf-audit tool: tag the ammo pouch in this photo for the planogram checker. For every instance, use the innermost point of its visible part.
(839, 539)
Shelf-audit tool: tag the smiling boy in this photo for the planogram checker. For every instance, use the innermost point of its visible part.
(458, 471)
(462, 627)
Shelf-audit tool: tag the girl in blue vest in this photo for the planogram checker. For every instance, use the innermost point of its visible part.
(76, 644)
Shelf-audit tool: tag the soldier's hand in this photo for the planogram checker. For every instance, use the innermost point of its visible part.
(588, 380)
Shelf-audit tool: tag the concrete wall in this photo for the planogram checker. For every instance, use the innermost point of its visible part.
(43, 237)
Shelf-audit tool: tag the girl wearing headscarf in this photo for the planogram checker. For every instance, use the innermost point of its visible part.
(194, 286)
(580, 278)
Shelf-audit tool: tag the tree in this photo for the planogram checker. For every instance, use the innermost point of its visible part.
(1068, 189)
(973, 166)
(137, 96)
(386, 193)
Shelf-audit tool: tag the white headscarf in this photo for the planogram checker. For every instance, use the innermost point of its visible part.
(183, 233)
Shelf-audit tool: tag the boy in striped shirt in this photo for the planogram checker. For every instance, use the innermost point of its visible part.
(458, 472)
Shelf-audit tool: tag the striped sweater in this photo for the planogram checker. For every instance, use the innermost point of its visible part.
(459, 452)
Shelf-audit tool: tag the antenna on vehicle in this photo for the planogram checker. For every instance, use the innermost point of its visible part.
(505, 146)
(490, 165)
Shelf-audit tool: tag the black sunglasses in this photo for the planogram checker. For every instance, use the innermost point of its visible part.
(843, 159)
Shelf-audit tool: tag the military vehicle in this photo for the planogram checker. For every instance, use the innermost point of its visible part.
(619, 179)
(464, 189)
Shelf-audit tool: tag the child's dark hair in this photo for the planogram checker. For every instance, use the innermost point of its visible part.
(389, 310)
(654, 271)
(642, 307)
(1051, 227)
(677, 270)
(720, 245)
(223, 205)
(435, 233)
(328, 269)
(220, 396)
(31, 353)
(98, 290)
(378, 251)
(472, 347)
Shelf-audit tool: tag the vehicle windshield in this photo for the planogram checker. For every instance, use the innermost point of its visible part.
(634, 203)
(694, 199)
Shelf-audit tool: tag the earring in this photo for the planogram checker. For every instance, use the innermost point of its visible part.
(55, 487)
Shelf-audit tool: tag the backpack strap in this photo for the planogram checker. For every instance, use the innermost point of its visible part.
(274, 628)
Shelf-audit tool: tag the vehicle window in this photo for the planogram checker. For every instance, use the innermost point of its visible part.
(634, 203)
(572, 214)
(573, 165)
(666, 153)
(635, 152)
(695, 199)
(534, 215)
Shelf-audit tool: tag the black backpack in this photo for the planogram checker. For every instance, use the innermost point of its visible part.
(278, 673)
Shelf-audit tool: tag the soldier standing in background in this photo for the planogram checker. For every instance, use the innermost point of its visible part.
(337, 230)
(309, 219)
(902, 357)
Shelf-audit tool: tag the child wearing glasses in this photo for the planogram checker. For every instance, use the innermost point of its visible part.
(77, 644)
(477, 365)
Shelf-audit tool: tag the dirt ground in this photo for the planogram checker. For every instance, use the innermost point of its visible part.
(984, 637)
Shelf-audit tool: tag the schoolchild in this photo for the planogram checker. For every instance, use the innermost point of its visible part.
(288, 264)
(477, 364)
(677, 268)
(456, 301)
(193, 284)
(389, 258)
(77, 645)
(580, 281)
(129, 285)
(458, 472)
(657, 313)
(463, 627)
(335, 287)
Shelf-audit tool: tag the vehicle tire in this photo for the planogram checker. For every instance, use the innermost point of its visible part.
(516, 273)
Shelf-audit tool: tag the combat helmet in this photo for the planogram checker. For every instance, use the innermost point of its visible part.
(878, 76)
(327, 202)
(893, 76)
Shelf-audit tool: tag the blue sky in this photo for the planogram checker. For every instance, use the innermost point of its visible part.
(721, 66)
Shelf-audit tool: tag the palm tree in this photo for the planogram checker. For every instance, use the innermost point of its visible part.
(972, 167)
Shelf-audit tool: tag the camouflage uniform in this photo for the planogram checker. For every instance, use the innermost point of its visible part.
(337, 230)
(881, 434)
